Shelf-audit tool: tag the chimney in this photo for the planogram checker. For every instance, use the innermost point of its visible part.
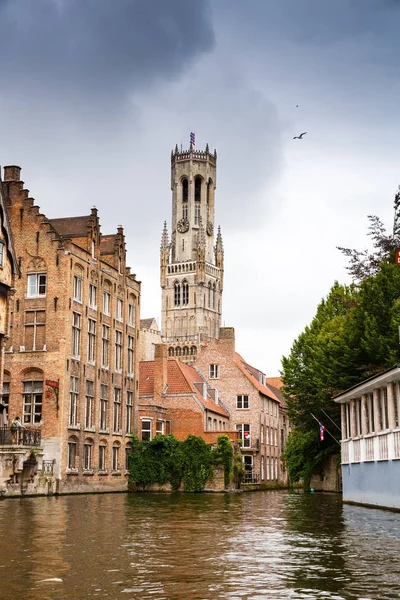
(12, 173)
(160, 369)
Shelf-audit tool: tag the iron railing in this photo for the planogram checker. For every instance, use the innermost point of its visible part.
(251, 476)
(19, 436)
(48, 467)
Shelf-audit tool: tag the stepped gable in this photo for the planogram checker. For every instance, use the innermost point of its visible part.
(248, 370)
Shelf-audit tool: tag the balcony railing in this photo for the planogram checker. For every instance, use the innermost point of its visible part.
(251, 476)
(10, 436)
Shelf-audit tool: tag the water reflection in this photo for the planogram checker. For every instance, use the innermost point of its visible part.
(262, 545)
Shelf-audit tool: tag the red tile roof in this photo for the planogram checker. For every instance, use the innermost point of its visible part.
(263, 389)
(275, 381)
(180, 379)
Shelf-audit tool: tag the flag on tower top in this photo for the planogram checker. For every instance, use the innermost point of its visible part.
(192, 139)
(321, 431)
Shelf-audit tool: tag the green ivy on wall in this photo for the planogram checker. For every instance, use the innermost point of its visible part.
(189, 464)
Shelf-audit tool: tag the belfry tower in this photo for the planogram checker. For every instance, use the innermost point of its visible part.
(192, 261)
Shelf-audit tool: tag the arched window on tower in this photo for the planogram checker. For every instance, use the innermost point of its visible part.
(177, 293)
(197, 189)
(214, 294)
(185, 190)
(185, 293)
(185, 196)
(209, 294)
(178, 351)
(170, 351)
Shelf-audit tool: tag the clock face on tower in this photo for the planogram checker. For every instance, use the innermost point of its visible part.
(210, 228)
(183, 226)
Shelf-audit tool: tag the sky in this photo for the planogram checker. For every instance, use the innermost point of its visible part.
(95, 94)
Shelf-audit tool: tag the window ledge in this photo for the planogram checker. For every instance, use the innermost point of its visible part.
(117, 432)
(88, 472)
(91, 362)
(77, 358)
(90, 429)
(104, 431)
(92, 307)
(103, 472)
(116, 473)
(72, 472)
(76, 427)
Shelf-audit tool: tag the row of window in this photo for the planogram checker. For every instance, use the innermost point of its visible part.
(86, 460)
(215, 424)
(269, 468)
(185, 351)
(105, 344)
(37, 283)
(271, 435)
(103, 407)
(198, 181)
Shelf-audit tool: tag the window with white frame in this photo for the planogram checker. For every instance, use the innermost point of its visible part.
(92, 296)
(76, 334)
(73, 401)
(71, 458)
(105, 346)
(268, 469)
(267, 435)
(36, 285)
(91, 340)
(2, 254)
(87, 456)
(117, 410)
(103, 406)
(197, 214)
(242, 401)
(102, 457)
(106, 303)
(119, 310)
(131, 315)
(115, 458)
(118, 350)
(244, 429)
(129, 409)
(159, 427)
(214, 371)
(35, 329)
(130, 355)
(32, 401)
(89, 404)
(146, 429)
(77, 288)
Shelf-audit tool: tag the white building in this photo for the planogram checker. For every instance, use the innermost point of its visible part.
(371, 440)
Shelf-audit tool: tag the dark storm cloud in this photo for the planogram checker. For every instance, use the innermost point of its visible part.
(107, 46)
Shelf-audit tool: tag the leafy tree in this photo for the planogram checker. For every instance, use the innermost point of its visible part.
(304, 455)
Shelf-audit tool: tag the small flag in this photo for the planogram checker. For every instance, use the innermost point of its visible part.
(246, 434)
(192, 139)
(321, 432)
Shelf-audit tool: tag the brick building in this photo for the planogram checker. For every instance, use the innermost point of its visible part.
(8, 273)
(71, 362)
(253, 405)
(175, 398)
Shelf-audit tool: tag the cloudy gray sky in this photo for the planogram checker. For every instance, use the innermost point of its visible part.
(94, 94)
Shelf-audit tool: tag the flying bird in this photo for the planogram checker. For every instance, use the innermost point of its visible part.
(300, 137)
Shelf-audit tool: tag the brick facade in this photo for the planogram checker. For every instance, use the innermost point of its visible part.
(174, 398)
(252, 405)
(71, 360)
(150, 336)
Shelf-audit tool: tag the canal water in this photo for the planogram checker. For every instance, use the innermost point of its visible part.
(197, 546)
